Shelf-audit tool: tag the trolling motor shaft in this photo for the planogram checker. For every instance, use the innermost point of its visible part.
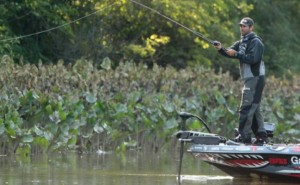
(185, 136)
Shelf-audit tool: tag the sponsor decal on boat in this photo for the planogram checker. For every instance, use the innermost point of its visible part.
(254, 148)
(278, 161)
(215, 148)
(295, 160)
(276, 148)
(260, 148)
(227, 148)
(243, 148)
(296, 149)
(197, 147)
(257, 148)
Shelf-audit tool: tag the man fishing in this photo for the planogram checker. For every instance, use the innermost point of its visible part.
(249, 50)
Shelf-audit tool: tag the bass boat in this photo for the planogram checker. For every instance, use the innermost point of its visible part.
(236, 159)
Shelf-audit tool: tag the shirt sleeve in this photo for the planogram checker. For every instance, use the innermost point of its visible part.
(234, 46)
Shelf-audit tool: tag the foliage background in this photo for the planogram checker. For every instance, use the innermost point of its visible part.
(47, 108)
(114, 75)
(124, 31)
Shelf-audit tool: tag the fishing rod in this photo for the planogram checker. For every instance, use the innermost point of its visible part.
(215, 43)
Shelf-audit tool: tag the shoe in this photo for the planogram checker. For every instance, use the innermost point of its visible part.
(260, 142)
(236, 132)
(261, 138)
(239, 139)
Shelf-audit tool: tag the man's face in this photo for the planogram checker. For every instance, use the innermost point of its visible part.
(244, 29)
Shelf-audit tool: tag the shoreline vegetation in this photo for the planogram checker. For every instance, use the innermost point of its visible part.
(83, 107)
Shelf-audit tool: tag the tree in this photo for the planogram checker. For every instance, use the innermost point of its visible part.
(279, 22)
(125, 31)
(26, 18)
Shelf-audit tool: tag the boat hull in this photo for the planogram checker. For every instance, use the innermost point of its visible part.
(268, 160)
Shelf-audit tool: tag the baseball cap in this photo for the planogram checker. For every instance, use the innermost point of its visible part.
(247, 21)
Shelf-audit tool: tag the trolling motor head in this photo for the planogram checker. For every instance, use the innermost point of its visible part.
(186, 115)
(197, 137)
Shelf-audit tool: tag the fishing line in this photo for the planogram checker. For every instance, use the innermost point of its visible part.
(175, 22)
(57, 27)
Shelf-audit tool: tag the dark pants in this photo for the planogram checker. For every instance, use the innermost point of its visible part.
(251, 118)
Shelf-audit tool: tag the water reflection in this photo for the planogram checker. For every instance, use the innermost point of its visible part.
(204, 179)
(134, 168)
(226, 180)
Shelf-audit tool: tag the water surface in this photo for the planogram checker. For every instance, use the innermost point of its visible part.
(133, 168)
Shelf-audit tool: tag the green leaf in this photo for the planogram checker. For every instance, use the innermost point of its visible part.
(220, 98)
(41, 142)
(2, 127)
(170, 124)
(297, 117)
(230, 110)
(168, 107)
(121, 108)
(62, 115)
(49, 109)
(293, 132)
(55, 117)
(11, 132)
(37, 131)
(48, 136)
(24, 150)
(106, 63)
(27, 138)
(64, 129)
(90, 98)
(280, 114)
(98, 129)
(194, 125)
(130, 144)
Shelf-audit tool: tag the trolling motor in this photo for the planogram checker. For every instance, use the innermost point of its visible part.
(194, 137)
(197, 137)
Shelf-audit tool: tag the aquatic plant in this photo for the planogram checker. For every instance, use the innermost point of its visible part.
(46, 108)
